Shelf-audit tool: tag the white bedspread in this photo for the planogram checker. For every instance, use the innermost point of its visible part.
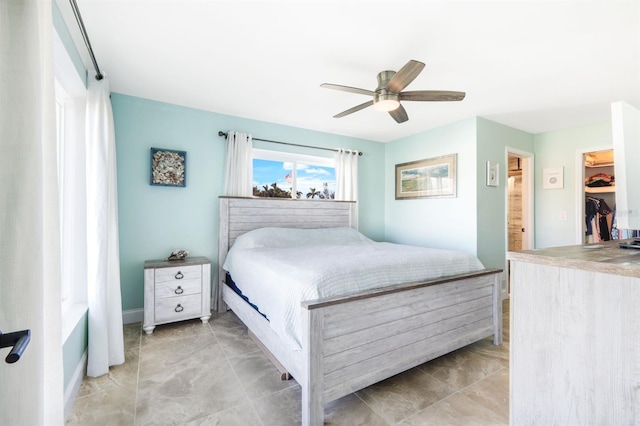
(278, 268)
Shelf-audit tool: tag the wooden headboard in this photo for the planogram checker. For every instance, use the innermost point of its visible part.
(240, 215)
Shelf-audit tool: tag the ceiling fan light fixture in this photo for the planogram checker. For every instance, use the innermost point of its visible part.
(386, 105)
(390, 91)
(386, 102)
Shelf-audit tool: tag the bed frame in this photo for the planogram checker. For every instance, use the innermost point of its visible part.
(353, 341)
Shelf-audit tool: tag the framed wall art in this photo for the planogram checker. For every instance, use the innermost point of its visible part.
(429, 178)
(168, 167)
(553, 178)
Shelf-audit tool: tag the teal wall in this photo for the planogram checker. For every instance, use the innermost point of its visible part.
(492, 142)
(74, 348)
(562, 149)
(475, 220)
(436, 222)
(156, 220)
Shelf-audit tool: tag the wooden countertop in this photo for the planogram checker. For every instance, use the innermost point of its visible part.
(606, 257)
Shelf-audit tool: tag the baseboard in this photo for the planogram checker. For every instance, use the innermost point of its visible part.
(71, 392)
(132, 315)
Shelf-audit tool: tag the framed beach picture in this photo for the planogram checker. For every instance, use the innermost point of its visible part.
(429, 178)
(168, 167)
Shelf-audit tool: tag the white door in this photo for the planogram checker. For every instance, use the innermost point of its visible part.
(31, 388)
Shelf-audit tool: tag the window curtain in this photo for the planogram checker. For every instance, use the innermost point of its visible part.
(106, 344)
(31, 389)
(238, 178)
(346, 174)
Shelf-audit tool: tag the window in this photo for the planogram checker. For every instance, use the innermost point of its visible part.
(286, 175)
(70, 95)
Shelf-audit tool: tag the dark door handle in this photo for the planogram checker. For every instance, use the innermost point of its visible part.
(18, 341)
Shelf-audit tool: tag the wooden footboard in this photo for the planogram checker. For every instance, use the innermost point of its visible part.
(351, 342)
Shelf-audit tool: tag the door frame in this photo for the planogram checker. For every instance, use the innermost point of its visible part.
(580, 188)
(528, 192)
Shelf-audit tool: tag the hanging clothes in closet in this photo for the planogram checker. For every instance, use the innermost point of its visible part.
(599, 220)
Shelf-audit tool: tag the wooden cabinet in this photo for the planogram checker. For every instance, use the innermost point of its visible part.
(575, 339)
(176, 291)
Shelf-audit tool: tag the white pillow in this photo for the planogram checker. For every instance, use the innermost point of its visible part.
(294, 237)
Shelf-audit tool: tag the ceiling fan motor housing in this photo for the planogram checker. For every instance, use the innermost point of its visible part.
(383, 79)
(383, 99)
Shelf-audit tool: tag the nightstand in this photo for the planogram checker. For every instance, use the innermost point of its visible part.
(176, 290)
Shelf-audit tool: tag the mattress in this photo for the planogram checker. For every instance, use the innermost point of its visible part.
(279, 268)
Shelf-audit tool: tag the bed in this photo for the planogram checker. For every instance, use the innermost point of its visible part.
(349, 341)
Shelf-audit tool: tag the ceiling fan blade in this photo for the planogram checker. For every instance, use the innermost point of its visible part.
(347, 89)
(405, 76)
(354, 109)
(399, 114)
(432, 95)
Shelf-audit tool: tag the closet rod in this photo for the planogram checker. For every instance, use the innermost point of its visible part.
(85, 36)
(223, 134)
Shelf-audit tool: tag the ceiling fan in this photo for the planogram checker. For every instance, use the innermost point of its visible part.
(388, 94)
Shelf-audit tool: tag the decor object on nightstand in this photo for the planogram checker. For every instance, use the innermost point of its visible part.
(176, 292)
(178, 255)
(168, 167)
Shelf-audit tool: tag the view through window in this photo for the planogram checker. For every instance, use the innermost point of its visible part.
(285, 175)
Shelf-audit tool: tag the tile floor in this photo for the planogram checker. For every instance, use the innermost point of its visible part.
(188, 373)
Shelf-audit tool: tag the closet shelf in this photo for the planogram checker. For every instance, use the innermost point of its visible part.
(600, 189)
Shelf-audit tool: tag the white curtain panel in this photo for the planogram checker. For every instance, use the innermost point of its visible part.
(106, 344)
(31, 390)
(346, 174)
(238, 178)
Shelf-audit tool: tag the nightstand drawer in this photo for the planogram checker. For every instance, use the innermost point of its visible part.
(176, 308)
(178, 288)
(178, 273)
(176, 291)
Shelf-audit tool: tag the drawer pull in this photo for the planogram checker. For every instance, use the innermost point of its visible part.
(179, 308)
(179, 290)
(179, 275)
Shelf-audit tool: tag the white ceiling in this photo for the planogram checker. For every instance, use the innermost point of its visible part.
(533, 65)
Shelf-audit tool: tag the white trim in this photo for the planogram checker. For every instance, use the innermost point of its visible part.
(132, 316)
(579, 173)
(71, 392)
(528, 185)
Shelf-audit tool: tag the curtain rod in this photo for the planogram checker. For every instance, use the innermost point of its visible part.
(221, 133)
(87, 43)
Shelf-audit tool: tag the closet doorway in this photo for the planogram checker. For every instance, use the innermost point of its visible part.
(597, 196)
(519, 203)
